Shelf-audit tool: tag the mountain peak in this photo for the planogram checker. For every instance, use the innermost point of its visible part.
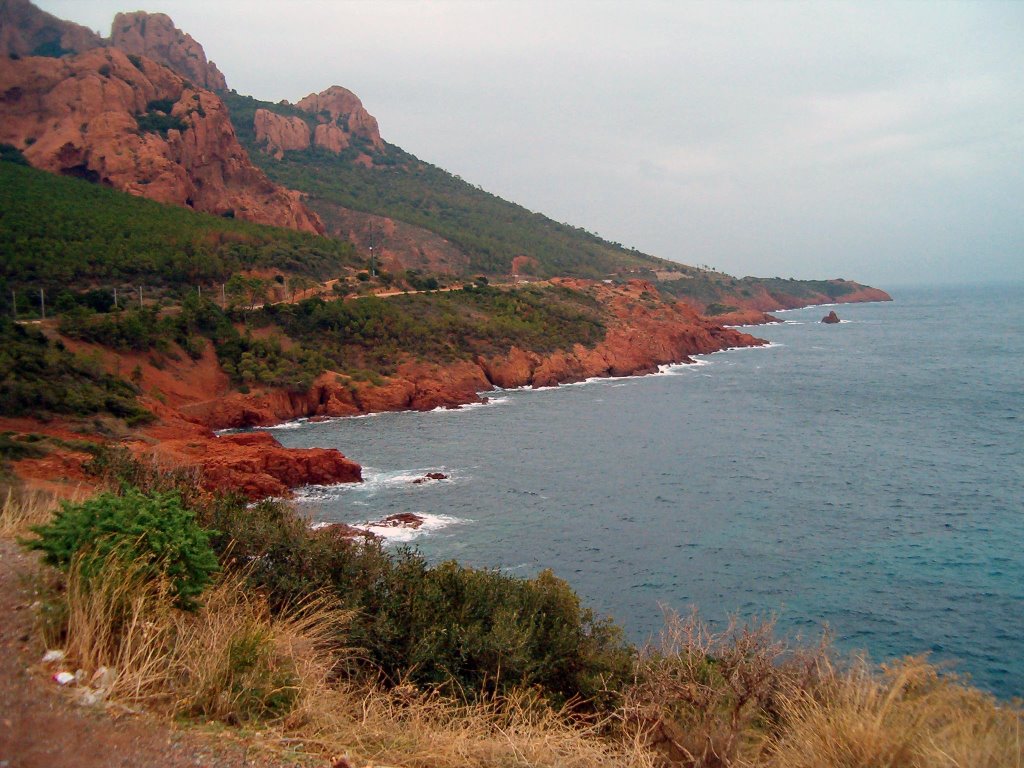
(340, 106)
(155, 36)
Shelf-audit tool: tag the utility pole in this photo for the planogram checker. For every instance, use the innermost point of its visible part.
(223, 300)
(140, 297)
(42, 304)
(373, 264)
(115, 298)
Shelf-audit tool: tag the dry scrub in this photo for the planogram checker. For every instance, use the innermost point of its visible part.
(733, 698)
(22, 508)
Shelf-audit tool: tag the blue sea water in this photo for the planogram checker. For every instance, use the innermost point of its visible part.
(868, 476)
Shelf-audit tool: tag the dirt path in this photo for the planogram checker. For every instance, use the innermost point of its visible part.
(41, 727)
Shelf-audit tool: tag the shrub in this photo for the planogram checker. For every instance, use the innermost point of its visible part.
(154, 530)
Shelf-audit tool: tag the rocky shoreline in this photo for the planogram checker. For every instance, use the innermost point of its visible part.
(195, 400)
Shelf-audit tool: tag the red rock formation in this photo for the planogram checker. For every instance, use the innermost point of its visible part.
(342, 107)
(280, 133)
(79, 115)
(27, 31)
(155, 36)
(745, 317)
(252, 463)
(330, 137)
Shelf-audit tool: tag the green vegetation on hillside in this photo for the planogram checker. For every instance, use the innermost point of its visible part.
(60, 232)
(491, 231)
(374, 333)
(40, 378)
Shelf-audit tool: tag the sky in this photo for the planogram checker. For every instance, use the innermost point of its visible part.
(879, 142)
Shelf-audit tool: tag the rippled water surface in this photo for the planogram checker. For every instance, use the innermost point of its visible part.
(867, 475)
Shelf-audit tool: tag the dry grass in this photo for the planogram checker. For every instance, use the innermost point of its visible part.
(22, 508)
(700, 699)
(404, 726)
(230, 661)
(907, 716)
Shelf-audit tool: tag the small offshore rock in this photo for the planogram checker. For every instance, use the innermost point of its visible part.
(430, 476)
(400, 520)
(831, 318)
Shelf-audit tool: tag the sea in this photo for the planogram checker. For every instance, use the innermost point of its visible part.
(865, 477)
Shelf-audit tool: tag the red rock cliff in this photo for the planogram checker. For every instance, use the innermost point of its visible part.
(341, 107)
(27, 31)
(79, 115)
(280, 133)
(155, 36)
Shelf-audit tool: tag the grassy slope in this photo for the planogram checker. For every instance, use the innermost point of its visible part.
(492, 231)
(62, 232)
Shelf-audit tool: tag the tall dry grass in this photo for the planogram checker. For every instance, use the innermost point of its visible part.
(732, 698)
(905, 716)
(231, 660)
(22, 508)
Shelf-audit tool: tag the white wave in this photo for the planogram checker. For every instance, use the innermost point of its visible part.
(287, 425)
(397, 535)
(674, 369)
(375, 481)
(470, 406)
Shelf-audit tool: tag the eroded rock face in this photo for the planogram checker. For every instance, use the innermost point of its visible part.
(154, 35)
(343, 108)
(330, 137)
(280, 133)
(254, 463)
(27, 31)
(86, 116)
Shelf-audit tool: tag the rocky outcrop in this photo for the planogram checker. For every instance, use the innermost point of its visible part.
(399, 520)
(155, 36)
(138, 127)
(27, 31)
(831, 318)
(280, 133)
(339, 116)
(330, 137)
(343, 108)
(252, 463)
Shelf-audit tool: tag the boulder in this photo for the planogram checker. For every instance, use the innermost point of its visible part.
(831, 318)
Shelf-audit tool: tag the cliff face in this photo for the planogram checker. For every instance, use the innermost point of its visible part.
(339, 116)
(280, 133)
(340, 107)
(139, 128)
(154, 35)
(27, 31)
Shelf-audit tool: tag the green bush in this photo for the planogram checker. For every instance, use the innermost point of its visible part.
(155, 530)
(479, 631)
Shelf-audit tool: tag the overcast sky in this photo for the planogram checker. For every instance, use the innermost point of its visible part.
(881, 142)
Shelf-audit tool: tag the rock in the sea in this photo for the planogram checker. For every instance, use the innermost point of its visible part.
(400, 520)
(430, 476)
(830, 318)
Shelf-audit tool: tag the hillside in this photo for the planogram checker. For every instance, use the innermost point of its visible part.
(361, 186)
